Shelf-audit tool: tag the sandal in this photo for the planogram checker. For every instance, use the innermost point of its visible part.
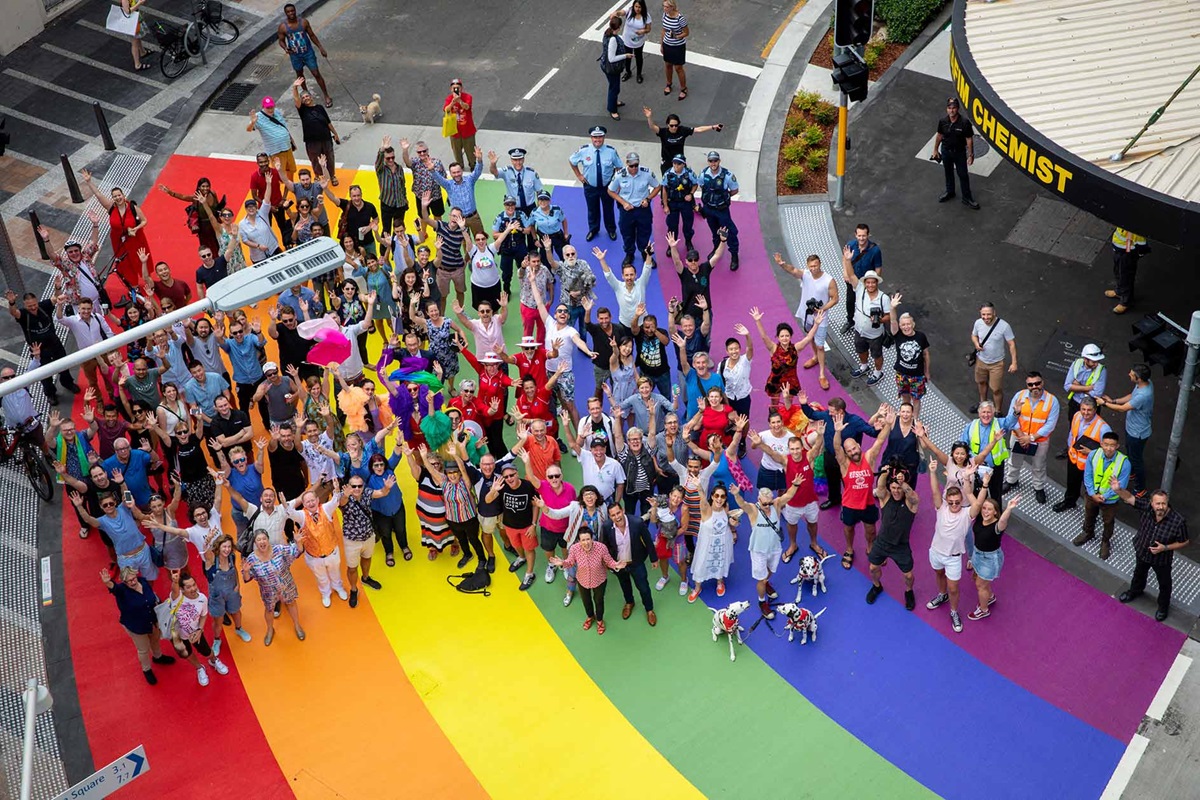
(600, 628)
(587, 624)
(407, 554)
(329, 102)
(788, 556)
(433, 554)
(683, 94)
(390, 560)
(824, 382)
(847, 559)
(142, 67)
(818, 551)
(668, 89)
(615, 116)
(720, 588)
(812, 362)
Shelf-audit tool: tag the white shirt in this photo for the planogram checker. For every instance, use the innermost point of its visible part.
(604, 477)
(318, 463)
(562, 338)
(484, 271)
(950, 531)
(257, 229)
(272, 524)
(777, 444)
(737, 378)
(629, 34)
(352, 367)
(813, 289)
(87, 333)
(628, 299)
(488, 336)
(863, 305)
(201, 536)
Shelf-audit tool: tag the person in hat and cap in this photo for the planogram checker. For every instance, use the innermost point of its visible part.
(594, 165)
(954, 146)
(461, 104)
(872, 315)
(633, 188)
(1086, 377)
(493, 396)
(548, 220)
(717, 188)
(678, 199)
(520, 182)
(512, 242)
(276, 140)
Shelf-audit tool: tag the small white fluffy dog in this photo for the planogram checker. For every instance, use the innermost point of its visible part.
(725, 621)
(800, 619)
(371, 110)
(811, 571)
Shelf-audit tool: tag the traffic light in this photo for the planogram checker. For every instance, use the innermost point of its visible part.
(853, 22)
(1160, 344)
(850, 75)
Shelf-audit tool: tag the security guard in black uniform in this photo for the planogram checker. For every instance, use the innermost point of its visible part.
(954, 146)
(678, 199)
(516, 244)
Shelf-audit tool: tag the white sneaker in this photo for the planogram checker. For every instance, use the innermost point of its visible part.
(550, 574)
(683, 588)
(567, 598)
(216, 647)
(325, 600)
(662, 582)
(242, 633)
(201, 676)
(342, 594)
(218, 666)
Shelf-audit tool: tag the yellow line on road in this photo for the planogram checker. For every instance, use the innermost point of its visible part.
(779, 31)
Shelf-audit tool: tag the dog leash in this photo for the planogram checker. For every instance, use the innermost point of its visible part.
(337, 76)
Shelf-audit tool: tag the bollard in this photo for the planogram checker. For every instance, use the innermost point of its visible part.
(105, 133)
(72, 184)
(41, 243)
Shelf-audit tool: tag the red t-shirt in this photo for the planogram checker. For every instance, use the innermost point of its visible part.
(466, 119)
(534, 367)
(857, 485)
(258, 187)
(538, 408)
(471, 412)
(806, 492)
(715, 420)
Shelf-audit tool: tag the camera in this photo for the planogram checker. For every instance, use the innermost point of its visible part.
(897, 470)
(876, 317)
(812, 306)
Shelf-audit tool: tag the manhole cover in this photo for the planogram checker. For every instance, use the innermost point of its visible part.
(232, 97)
(263, 71)
(981, 146)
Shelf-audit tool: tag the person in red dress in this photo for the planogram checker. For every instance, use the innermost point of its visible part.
(126, 229)
(785, 354)
(714, 416)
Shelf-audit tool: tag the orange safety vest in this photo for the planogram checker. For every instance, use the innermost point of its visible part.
(1031, 417)
(1094, 430)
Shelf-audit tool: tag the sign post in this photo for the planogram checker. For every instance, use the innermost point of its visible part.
(116, 775)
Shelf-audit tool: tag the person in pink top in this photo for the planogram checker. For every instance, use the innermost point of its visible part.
(591, 572)
(556, 493)
(949, 543)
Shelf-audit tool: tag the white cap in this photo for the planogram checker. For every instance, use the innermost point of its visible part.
(871, 274)
(270, 365)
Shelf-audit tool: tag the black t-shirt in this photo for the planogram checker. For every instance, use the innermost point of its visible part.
(954, 134)
(895, 523)
(289, 473)
(293, 348)
(651, 355)
(987, 537)
(600, 345)
(210, 276)
(231, 426)
(693, 286)
(672, 141)
(356, 218)
(910, 353)
(91, 498)
(37, 327)
(190, 460)
(518, 504)
(314, 122)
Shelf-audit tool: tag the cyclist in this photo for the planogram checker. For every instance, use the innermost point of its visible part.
(18, 407)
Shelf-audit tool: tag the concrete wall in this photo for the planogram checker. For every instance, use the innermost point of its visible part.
(23, 19)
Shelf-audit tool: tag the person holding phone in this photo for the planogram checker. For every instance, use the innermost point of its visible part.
(461, 105)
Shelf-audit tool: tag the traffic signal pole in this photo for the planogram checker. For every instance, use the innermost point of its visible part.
(1181, 406)
(839, 198)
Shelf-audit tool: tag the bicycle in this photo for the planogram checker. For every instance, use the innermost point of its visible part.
(17, 443)
(179, 45)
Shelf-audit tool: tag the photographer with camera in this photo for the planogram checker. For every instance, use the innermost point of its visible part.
(872, 311)
(818, 292)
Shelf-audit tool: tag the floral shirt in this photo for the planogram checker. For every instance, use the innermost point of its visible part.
(356, 520)
(577, 278)
(76, 286)
(545, 285)
(423, 177)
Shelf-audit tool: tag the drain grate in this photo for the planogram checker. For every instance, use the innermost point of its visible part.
(232, 97)
(263, 71)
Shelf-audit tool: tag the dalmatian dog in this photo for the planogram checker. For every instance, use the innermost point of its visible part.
(800, 619)
(725, 621)
(811, 571)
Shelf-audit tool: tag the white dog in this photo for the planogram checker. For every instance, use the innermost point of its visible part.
(725, 621)
(371, 110)
(800, 619)
(810, 571)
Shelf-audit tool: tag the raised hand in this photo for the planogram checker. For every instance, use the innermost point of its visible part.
(755, 314)
(598, 253)
(740, 329)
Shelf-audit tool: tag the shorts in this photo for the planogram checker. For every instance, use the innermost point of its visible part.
(763, 564)
(456, 276)
(566, 387)
(881, 551)
(302, 60)
(219, 605)
(600, 376)
(354, 552)
(912, 386)
(674, 54)
(663, 547)
(862, 345)
(551, 539)
(806, 324)
(867, 516)
(991, 374)
(951, 564)
(987, 564)
(773, 479)
(809, 513)
(141, 562)
(489, 525)
(287, 162)
(523, 539)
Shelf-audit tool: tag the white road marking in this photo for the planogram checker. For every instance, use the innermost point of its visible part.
(1170, 685)
(693, 58)
(600, 24)
(1125, 769)
(545, 79)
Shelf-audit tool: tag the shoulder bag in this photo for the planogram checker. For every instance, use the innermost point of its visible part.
(972, 357)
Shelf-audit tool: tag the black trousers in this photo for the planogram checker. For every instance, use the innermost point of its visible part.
(285, 227)
(634, 574)
(52, 350)
(508, 260)
(599, 204)
(387, 525)
(681, 212)
(632, 499)
(495, 438)
(1141, 571)
(1124, 274)
(593, 601)
(637, 56)
(390, 216)
(467, 534)
(833, 475)
(957, 162)
(1074, 484)
(245, 396)
(557, 242)
(996, 484)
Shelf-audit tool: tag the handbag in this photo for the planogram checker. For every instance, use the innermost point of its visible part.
(164, 613)
(972, 357)
(449, 124)
(117, 22)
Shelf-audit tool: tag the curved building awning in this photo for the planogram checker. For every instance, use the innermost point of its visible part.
(1059, 86)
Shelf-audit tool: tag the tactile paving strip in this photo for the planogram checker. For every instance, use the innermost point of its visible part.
(807, 229)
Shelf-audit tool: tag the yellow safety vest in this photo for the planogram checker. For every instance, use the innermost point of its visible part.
(1091, 378)
(1101, 475)
(1000, 454)
(1126, 240)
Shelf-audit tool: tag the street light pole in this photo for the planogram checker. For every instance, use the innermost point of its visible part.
(37, 701)
(1181, 406)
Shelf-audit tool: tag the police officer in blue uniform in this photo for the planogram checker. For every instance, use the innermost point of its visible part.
(633, 188)
(549, 220)
(516, 244)
(678, 199)
(520, 181)
(594, 165)
(717, 188)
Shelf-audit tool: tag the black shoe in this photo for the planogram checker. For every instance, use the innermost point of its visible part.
(687, 245)
(562, 447)
(161, 659)
(612, 235)
(826, 504)
(466, 559)
(733, 263)
(590, 235)
(226, 621)
(1040, 496)
(971, 204)
(1161, 614)
(873, 594)
(354, 598)
(516, 565)
(526, 582)
(1062, 505)
(491, 564)
(1008, 487)
(910, 600)
(508, 548)
(946, 196)
(711, 253)
(849, 326)
(374, 584)
(973, 409)
(1128, 596)
(148, 674)
(1062, 455)
(626, 77)
(640, 78)
(52, 399)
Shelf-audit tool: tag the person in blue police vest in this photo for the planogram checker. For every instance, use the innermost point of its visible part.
(515, 245)
(520, 181)
(633, 188)
(594, 165)
(678, 199)
(548, 220)
(717, 188)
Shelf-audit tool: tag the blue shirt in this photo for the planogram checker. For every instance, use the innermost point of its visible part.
(393, 501)
(249, 483)
(513, 180)
(462, 195)
(347, 468)
(292, 301)
(243, 356)
(588, 156)
(548, 221)
(1079, 373)
(1089, 475)
(985, 437)
(633, 187)
(856, 426)
(204, 396)
(872, 257)
(1137, 420)
(136, 475)
(123, 530)
(275, 136)
(697, 389)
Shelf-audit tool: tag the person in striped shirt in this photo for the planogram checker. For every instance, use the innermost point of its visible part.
(674, 38)
(462, 513)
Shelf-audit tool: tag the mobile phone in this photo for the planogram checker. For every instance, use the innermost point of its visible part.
(128, 496)
(195, 412)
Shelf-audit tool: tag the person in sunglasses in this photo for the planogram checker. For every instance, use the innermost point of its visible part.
(1032, 417)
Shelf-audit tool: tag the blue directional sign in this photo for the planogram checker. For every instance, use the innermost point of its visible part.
(104, 782)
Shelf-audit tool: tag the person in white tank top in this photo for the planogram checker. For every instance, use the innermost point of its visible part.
(818, 291)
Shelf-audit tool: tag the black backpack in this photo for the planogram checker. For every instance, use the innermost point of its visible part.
(472, 582)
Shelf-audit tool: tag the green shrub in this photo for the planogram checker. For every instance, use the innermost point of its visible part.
(794, 127)
(874, 51)
(795, 150)
(906, 18)
(815, 160)
(806, 100)
(794, 177)
(825, 113)
(813, 137)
